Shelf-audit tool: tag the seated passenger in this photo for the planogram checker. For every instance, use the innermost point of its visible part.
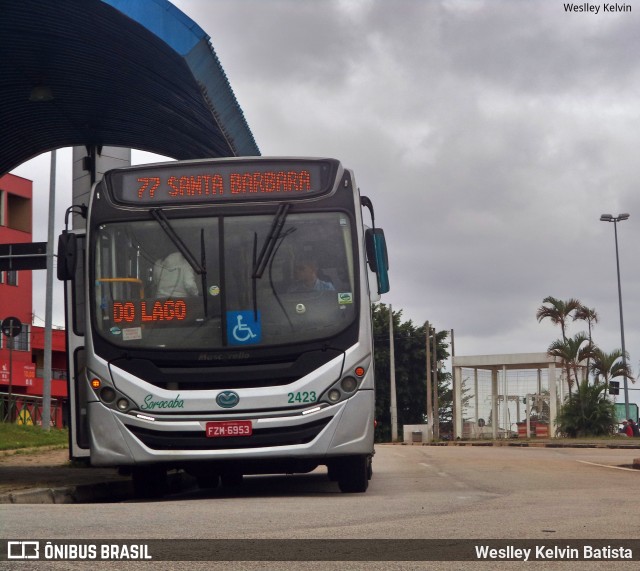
(174, 277)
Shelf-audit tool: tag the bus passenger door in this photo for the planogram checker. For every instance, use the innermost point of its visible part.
(71, 256)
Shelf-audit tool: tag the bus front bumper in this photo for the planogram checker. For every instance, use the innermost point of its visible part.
(345, 428)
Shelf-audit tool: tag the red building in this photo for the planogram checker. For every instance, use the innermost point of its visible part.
(22, 357)
(33, 384)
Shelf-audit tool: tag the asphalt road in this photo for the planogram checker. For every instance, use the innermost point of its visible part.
(416, 493)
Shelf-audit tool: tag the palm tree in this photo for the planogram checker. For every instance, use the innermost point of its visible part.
(608, 366)
(573, 353)
(558, 312)
(587, 412)
(589, 315)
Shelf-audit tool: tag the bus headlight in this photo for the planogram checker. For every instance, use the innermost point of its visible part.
(107, 395)
(345, 387)
(334, 395)
(349, 384)
(122, 404)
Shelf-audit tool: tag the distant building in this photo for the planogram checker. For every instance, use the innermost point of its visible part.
(22, 362)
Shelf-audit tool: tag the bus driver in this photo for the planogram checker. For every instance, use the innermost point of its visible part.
(306, 276)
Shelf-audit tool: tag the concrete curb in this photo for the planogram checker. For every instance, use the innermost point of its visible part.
(85, 493)
(88, 493)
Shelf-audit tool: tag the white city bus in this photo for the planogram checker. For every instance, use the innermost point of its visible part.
(219, 321)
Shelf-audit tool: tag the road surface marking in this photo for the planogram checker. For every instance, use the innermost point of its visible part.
(607, 466)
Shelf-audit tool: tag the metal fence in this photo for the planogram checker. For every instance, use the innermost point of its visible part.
(25, 409)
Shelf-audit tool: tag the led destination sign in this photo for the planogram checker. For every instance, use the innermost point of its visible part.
(203, 182)
(141, 311)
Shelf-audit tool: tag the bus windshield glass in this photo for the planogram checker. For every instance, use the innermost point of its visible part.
(194, 284)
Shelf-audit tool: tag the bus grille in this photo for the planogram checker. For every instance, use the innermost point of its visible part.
(261, 437)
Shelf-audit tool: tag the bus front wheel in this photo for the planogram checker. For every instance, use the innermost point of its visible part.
(353, 474)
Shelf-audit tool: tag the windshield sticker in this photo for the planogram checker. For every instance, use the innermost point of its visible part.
(132, 334)
(214, 290)
(345, 298)
(115, 331)
(243, 328)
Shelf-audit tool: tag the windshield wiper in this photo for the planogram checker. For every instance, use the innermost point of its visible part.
(272, 238)
(162, 219)
(203, 275)
(199, 268)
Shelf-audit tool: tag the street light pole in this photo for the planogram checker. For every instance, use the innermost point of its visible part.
(615, 220)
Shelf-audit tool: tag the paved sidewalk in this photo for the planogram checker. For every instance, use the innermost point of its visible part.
(47, 476)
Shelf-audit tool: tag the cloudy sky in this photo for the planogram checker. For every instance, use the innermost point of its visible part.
(490, 134)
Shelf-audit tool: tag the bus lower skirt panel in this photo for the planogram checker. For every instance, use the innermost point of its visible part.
(261, 438)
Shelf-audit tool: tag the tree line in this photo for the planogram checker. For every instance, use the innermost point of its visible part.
(410, 373)
(587, 370)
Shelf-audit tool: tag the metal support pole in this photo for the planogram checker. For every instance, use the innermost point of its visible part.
(494, 403)
(553, 400)
(476, 404)
(10, 341)
(46, 379)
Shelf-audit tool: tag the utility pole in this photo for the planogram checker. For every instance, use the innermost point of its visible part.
(453, 350)
(427, 331)
(392, 377)
(436, 414)
(456, 401)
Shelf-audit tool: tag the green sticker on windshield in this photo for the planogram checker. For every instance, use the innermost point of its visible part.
(345, 298)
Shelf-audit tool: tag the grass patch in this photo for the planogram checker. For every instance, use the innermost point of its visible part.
(16, 436)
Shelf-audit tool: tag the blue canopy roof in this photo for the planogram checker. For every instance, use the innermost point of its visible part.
(130, 73)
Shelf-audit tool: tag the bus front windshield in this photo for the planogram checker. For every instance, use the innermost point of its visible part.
(224, 282)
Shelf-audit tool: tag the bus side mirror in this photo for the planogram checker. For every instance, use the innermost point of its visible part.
(377, 257)
(67, 256)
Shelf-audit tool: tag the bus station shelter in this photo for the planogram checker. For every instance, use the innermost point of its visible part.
(134, 74)
(492, 389)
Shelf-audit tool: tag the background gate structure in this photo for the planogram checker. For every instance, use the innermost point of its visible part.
(505, 396)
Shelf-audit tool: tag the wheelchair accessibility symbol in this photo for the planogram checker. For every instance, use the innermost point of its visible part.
(243, 328)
